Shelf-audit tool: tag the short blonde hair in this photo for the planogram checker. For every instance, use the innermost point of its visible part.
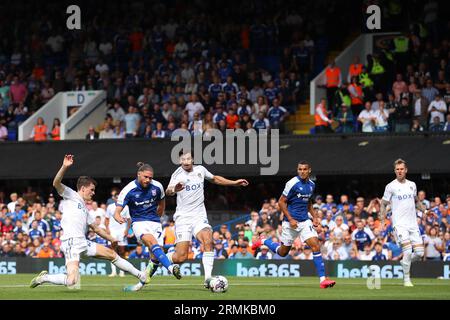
(399, 161)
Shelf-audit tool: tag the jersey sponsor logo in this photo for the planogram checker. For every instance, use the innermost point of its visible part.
(146, 203)
(305, 196)
(194, 187)
(405, 196)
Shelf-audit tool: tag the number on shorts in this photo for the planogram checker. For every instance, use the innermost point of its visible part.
(159, 234)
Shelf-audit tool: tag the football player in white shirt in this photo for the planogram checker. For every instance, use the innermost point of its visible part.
(187, 182)
(75, 223)
(401, 194)
(118, 231)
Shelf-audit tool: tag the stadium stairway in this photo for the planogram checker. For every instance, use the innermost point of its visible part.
(301, 122)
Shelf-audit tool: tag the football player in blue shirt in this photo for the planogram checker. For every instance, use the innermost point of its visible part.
(145, 199)
(296, 204)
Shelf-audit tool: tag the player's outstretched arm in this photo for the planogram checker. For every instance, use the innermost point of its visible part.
(221, 181)
(67, 162)
(102, 233)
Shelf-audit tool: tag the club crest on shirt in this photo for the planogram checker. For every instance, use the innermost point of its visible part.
(199, 175)
(153, 192)
(137, 196)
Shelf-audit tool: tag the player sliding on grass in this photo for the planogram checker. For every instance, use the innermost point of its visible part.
(145, 199)
(402, 195)
(187, 182)
(295, 202)
(75, 223)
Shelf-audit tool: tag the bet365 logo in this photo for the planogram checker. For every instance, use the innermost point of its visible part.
(73, 22)
(373, 22)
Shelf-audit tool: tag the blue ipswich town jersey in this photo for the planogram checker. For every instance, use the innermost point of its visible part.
(298, 192)
(142, 202)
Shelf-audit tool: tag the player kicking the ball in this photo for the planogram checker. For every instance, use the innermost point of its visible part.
(401, 194)
(145, 199)
(295, 202)
(75, 223)
(187, 182)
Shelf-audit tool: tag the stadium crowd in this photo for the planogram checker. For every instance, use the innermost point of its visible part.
(404, 86)
(30, 226)
(190, 66)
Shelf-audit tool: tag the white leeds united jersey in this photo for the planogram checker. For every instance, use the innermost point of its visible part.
(190, 201)
(76, 217)
(403, 204)
(113, 224)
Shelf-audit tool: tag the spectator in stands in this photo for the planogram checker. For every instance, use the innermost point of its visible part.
(18, 91)
(399, 88)
(447, 124)
(55, 134)
(92, 134)
(333, 80)
(3, 131)
(421, 108)
(321, 119)
(416, 126)
(276, 114)
(381, 118)
(379, 255)
(40, 130)
(367, 254)
(437, 108)
(436, 125)
(139, 253)
(367, 118)
(219, 251)
(261, 123)
(243, 254)
(433, 245)
(403, 116)
(265, 254)
(345, 119)
(430, 92)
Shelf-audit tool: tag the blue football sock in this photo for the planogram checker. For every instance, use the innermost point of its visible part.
(272, 245)
(318, 262)
(161, 256)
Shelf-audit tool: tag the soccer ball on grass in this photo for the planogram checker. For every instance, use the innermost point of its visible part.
(218, 284)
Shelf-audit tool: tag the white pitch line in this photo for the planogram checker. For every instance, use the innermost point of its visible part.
(233, 284)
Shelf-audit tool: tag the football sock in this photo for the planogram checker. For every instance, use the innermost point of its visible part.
(113, 269)
(272, 245)
(417, 254)
(59, 279)
(406, 261)
(208, 263)
(161, 256)
(124, 265)
(320, 267)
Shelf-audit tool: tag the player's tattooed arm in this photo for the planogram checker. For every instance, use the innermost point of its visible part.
(221, 181)
(314, 214)
(419, 205)
(102, 233)
(67, 162)
(383, 210)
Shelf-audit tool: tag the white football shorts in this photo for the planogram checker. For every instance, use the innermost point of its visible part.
(187, 226)
(148, 227)
(74, 248)
(304, 229)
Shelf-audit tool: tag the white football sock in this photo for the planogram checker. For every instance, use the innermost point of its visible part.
(123, 264)
(208, 263)
(58, 279)
(113, 269)
(406, 262)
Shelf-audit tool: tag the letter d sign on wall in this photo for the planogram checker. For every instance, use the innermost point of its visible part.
(80, 98)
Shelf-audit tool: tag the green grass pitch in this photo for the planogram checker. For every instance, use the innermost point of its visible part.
(16, 287)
